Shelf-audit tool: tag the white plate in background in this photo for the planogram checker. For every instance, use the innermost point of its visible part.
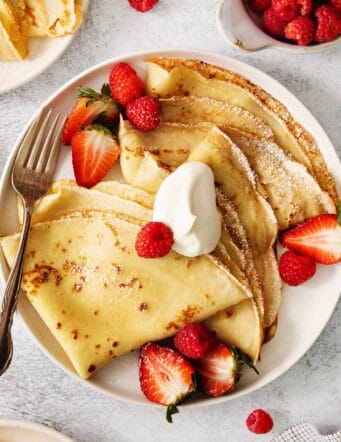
(43, 52)
(305, 310)
(12, 430)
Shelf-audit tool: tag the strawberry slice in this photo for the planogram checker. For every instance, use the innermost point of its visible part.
(219, 370)
(216, 372)
(166, 377)
(90, 107)
(94, 151)
(318, 237)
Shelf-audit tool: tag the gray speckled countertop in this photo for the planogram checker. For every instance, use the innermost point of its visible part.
(34, 388)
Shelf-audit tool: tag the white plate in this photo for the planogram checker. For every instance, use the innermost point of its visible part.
(18, 431)
(42, 53)
(314, 301)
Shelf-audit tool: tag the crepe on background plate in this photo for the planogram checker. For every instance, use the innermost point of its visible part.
(21, 19)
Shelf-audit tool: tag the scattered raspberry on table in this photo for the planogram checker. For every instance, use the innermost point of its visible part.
(259, 422)
(143, 5)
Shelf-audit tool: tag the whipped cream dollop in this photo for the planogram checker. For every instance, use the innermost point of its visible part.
(186, 202)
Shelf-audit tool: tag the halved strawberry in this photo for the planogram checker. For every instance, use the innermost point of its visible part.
(90, 107)
(94, 151)
(216, 372)
(219, 370)
(166, 377)
(318, 237)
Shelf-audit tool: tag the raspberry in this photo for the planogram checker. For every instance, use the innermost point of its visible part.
(259, 5)
(194, 340)
(125, 84)
(259, 422)
(154, 240)
(301, 30)
(286, 10)
(143, 5)
(304, 7)
(144, 112)
(328, 24)
(296, 269)
(272, 24)
(336, 4)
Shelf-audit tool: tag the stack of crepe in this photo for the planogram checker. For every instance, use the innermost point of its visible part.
(82, 274)
(20, 19)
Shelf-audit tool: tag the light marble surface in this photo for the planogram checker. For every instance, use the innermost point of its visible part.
(34, 388)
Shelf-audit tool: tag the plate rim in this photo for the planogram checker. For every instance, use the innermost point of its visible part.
(201, 55)
(35, 426)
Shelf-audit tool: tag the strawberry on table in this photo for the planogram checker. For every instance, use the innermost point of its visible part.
(166, 377)
(318, 237)
(94, 151)
(219, 370)
(90, 107)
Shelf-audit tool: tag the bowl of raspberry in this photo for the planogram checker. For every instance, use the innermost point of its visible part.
(302, 26)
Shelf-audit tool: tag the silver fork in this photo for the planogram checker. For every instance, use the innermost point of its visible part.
(32, 173)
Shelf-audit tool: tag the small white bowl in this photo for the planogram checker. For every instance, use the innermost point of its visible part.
(238, 26)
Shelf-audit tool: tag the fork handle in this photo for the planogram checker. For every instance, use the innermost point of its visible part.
(10, 298)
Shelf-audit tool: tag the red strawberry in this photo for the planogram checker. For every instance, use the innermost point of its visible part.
(144, 112)
(219, 370)
(94, 151)
(166, 377)
(124, 83)
(89, 107)
(154, 240)
(296, 269)
(318, 237)
(259, 422)
(143, 5)
(194, 340)
(301, 30)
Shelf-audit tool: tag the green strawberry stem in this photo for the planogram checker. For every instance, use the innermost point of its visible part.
(242, 359)
(171, 409)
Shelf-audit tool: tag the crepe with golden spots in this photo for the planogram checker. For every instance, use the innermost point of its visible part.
(65, 197)
(100, 300)
(171, 144)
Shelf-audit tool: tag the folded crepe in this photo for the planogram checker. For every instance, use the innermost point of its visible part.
(13, 31)
(53, 18)
(192, 110)
(171, 145)
(182, 77)
(65, 197)
(100, 300)
(291, 190)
